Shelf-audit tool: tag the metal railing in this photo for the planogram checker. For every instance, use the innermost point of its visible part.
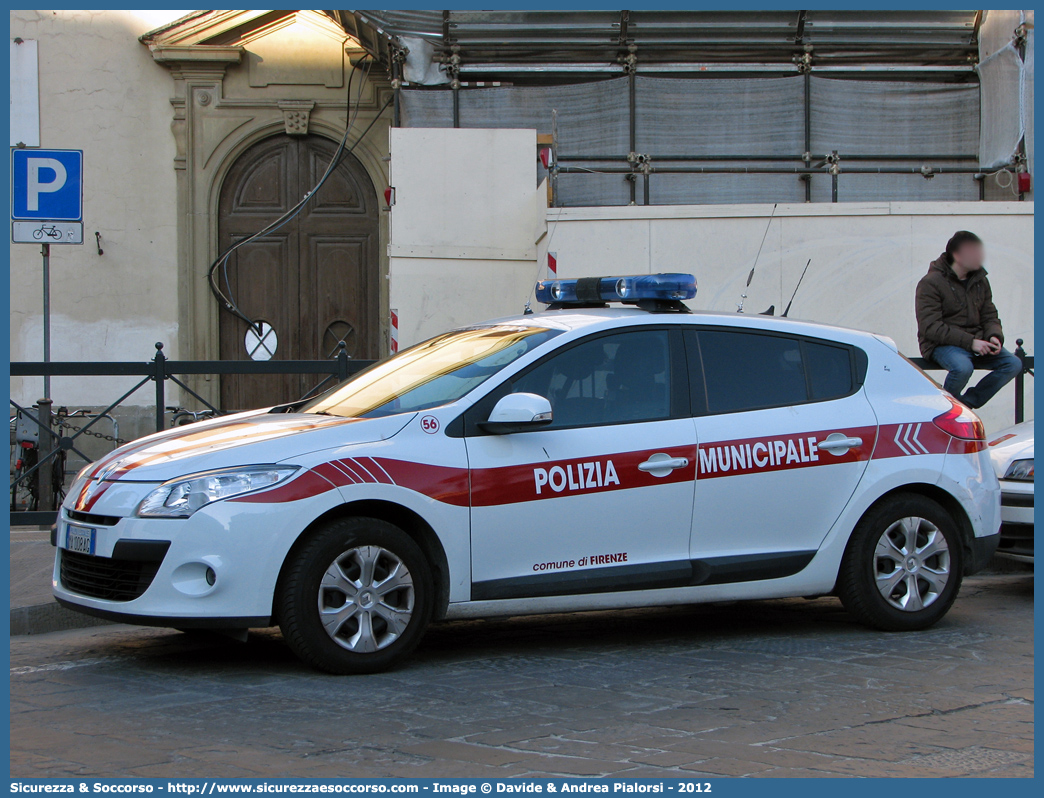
(634, 165)
(1020, 378)
(159, 370)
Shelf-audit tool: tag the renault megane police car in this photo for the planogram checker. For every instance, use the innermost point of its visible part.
(587, 457)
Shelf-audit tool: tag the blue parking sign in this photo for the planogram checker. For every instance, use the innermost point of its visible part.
(47, 184)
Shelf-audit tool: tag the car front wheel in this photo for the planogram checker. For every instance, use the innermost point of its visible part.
(356, 597)
(903, 565)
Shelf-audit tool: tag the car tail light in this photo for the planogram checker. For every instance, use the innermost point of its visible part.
(960, 422)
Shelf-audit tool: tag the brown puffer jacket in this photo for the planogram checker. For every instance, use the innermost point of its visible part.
(954, 313)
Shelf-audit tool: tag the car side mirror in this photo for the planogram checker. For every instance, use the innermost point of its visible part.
(518, 412)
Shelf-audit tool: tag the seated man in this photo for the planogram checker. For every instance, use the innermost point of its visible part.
(957, 322)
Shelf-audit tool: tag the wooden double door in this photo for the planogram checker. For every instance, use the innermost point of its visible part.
(314, 282)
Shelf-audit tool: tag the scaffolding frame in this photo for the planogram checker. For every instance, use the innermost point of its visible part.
(555, 47)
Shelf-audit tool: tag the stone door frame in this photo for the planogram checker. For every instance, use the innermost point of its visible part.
(211, 131)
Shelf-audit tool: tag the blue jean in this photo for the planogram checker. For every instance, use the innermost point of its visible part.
(960, 363)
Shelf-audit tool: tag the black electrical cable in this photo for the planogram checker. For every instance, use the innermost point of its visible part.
(227, 300)
(290, 215)
(362, 135)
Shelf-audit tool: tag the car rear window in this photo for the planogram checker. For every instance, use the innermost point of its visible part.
(829, 370)
(736, 370)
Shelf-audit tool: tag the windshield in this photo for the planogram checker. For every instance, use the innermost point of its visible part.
(434, 373)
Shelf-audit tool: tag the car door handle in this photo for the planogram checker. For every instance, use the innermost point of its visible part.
(660, 464)
(838, 443)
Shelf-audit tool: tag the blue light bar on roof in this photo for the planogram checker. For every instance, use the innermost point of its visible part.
(630, 290)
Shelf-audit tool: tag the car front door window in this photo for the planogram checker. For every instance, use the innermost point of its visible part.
(613, 379)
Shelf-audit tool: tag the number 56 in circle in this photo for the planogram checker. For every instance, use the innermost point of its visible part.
(430, 424)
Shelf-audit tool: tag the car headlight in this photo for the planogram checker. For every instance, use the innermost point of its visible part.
(181, 497)
(1020, 470)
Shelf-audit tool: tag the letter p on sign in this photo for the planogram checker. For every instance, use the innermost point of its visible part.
(37, 186)
(47, 185)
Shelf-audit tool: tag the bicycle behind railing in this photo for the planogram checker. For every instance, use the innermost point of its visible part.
(25, 439)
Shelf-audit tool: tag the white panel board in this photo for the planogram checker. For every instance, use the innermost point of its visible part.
(25, 94)
(462, 193)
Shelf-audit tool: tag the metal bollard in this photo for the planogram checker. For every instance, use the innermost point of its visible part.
(44, 486)
(159, 375)
(1020, 383)
(342, 361)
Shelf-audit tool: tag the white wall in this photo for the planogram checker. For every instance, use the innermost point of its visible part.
(866, 260)
(101, 92)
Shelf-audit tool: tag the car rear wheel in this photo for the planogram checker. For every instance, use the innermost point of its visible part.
(356, 597)
(903, 566)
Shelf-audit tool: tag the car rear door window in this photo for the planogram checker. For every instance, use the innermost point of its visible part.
(747, 370)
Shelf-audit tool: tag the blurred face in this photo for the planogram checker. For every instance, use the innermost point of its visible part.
(969, 256)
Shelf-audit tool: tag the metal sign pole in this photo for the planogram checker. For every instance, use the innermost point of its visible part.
(46, 207)
(45, 250)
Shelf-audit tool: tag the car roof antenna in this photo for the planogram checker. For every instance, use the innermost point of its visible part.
(743, 296)
(796, 287)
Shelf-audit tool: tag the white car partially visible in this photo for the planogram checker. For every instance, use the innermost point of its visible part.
(1012, 453)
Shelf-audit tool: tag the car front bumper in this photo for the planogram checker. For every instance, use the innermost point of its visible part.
(216, 569)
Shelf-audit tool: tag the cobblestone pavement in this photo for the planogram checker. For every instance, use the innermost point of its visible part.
(32, 560)
(773, 688)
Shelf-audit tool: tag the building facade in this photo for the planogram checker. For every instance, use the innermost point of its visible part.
(193, 134)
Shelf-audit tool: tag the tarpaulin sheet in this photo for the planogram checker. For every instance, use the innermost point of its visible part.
(1006, 87)
(733, 116)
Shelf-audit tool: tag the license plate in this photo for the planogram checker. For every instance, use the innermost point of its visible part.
(80, 539)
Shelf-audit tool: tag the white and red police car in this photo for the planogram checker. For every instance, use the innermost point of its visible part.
(587, 457)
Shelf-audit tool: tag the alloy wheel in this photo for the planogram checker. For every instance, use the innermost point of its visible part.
(912, 564)
(366, 599)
